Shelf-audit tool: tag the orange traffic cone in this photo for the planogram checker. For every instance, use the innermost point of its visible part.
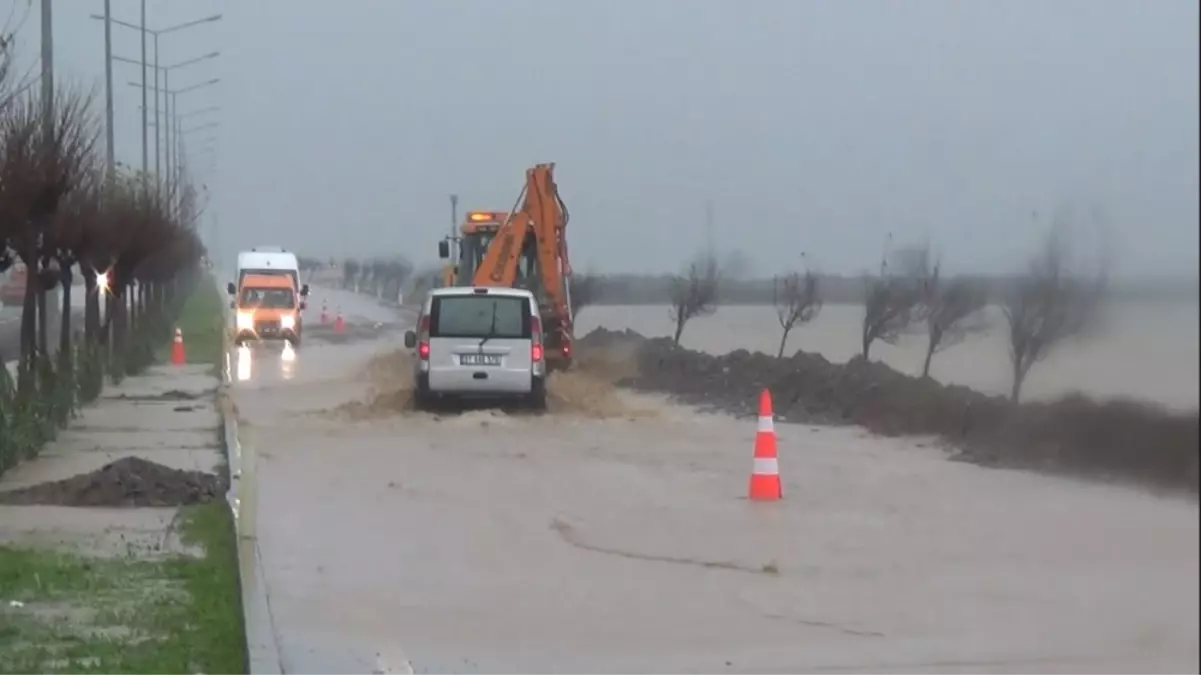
(177, 354)
(765, 475)
(339, 324)
(324, 314)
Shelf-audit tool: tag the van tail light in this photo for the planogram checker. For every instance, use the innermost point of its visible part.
(535, 339)
(566, 349)
(423, 342)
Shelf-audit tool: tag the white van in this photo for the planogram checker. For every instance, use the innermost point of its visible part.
(479, 342)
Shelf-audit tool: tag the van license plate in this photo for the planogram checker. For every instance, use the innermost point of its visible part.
(479, 359)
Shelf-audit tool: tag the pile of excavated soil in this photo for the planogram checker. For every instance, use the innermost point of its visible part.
(1121, 440)
(589, 389)
(130, 481)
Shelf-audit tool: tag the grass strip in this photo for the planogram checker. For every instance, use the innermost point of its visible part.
(67, 613)
(202, 322)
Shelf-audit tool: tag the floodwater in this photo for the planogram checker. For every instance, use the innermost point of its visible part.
(1146, 351)
(603, 539)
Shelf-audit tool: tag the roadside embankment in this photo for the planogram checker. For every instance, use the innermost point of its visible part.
(117, 546)
(1124, 441)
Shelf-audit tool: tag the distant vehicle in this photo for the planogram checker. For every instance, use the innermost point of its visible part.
(268, 298)
(479, 342)
(267, 307)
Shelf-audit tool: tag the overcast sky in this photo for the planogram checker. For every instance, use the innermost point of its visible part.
(816, 126)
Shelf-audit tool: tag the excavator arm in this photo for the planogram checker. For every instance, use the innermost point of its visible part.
(539, 213)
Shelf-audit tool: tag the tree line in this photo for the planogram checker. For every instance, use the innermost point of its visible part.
(1044, 305)
(131, 236)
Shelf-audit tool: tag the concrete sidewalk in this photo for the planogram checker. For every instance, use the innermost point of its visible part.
(167, 416)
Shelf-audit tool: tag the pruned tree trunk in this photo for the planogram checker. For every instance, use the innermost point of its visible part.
(679, 331)
(91, 306)
(64, 320)
(43, 323)
(131, 303)
(29, 316)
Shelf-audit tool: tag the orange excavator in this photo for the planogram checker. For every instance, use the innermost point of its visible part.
(524, 248)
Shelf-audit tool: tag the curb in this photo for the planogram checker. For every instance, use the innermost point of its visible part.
(262, 642)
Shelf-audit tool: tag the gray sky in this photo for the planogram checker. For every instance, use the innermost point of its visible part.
(811, 125)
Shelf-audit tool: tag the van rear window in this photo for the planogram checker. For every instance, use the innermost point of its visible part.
(478, 316)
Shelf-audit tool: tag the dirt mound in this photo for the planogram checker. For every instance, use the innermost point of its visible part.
(130, 481)
(1120, 440)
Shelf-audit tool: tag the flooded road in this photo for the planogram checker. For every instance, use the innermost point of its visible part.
(617, 539)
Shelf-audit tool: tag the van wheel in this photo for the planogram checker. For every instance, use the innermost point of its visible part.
(295, 342)
(537, 396)
(422, 399)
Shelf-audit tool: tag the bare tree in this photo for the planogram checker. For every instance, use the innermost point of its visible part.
(893, 296)
(694, 293)
(1047, 306)
(797, 300)
(948, 306)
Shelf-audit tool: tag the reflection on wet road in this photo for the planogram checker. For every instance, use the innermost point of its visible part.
(264, 363)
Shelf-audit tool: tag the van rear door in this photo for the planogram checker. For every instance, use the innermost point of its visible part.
(480, 343)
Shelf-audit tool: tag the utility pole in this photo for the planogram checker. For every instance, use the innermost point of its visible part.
(145, 109)
(165, 121)
(38, 338)
(109, 153)
(47, 75)
(158, 176)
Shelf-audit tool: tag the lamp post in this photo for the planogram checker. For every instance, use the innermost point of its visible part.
(174, 93)
(110, 159)
(144, 63)
(173, 149)
(166, 130)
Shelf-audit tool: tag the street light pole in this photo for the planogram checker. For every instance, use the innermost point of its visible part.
(166, 116)
(157, 174)
(47, 75)
(158, 123)
(109, 152)
(168, 106)
(145, 110)
(145, 83)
